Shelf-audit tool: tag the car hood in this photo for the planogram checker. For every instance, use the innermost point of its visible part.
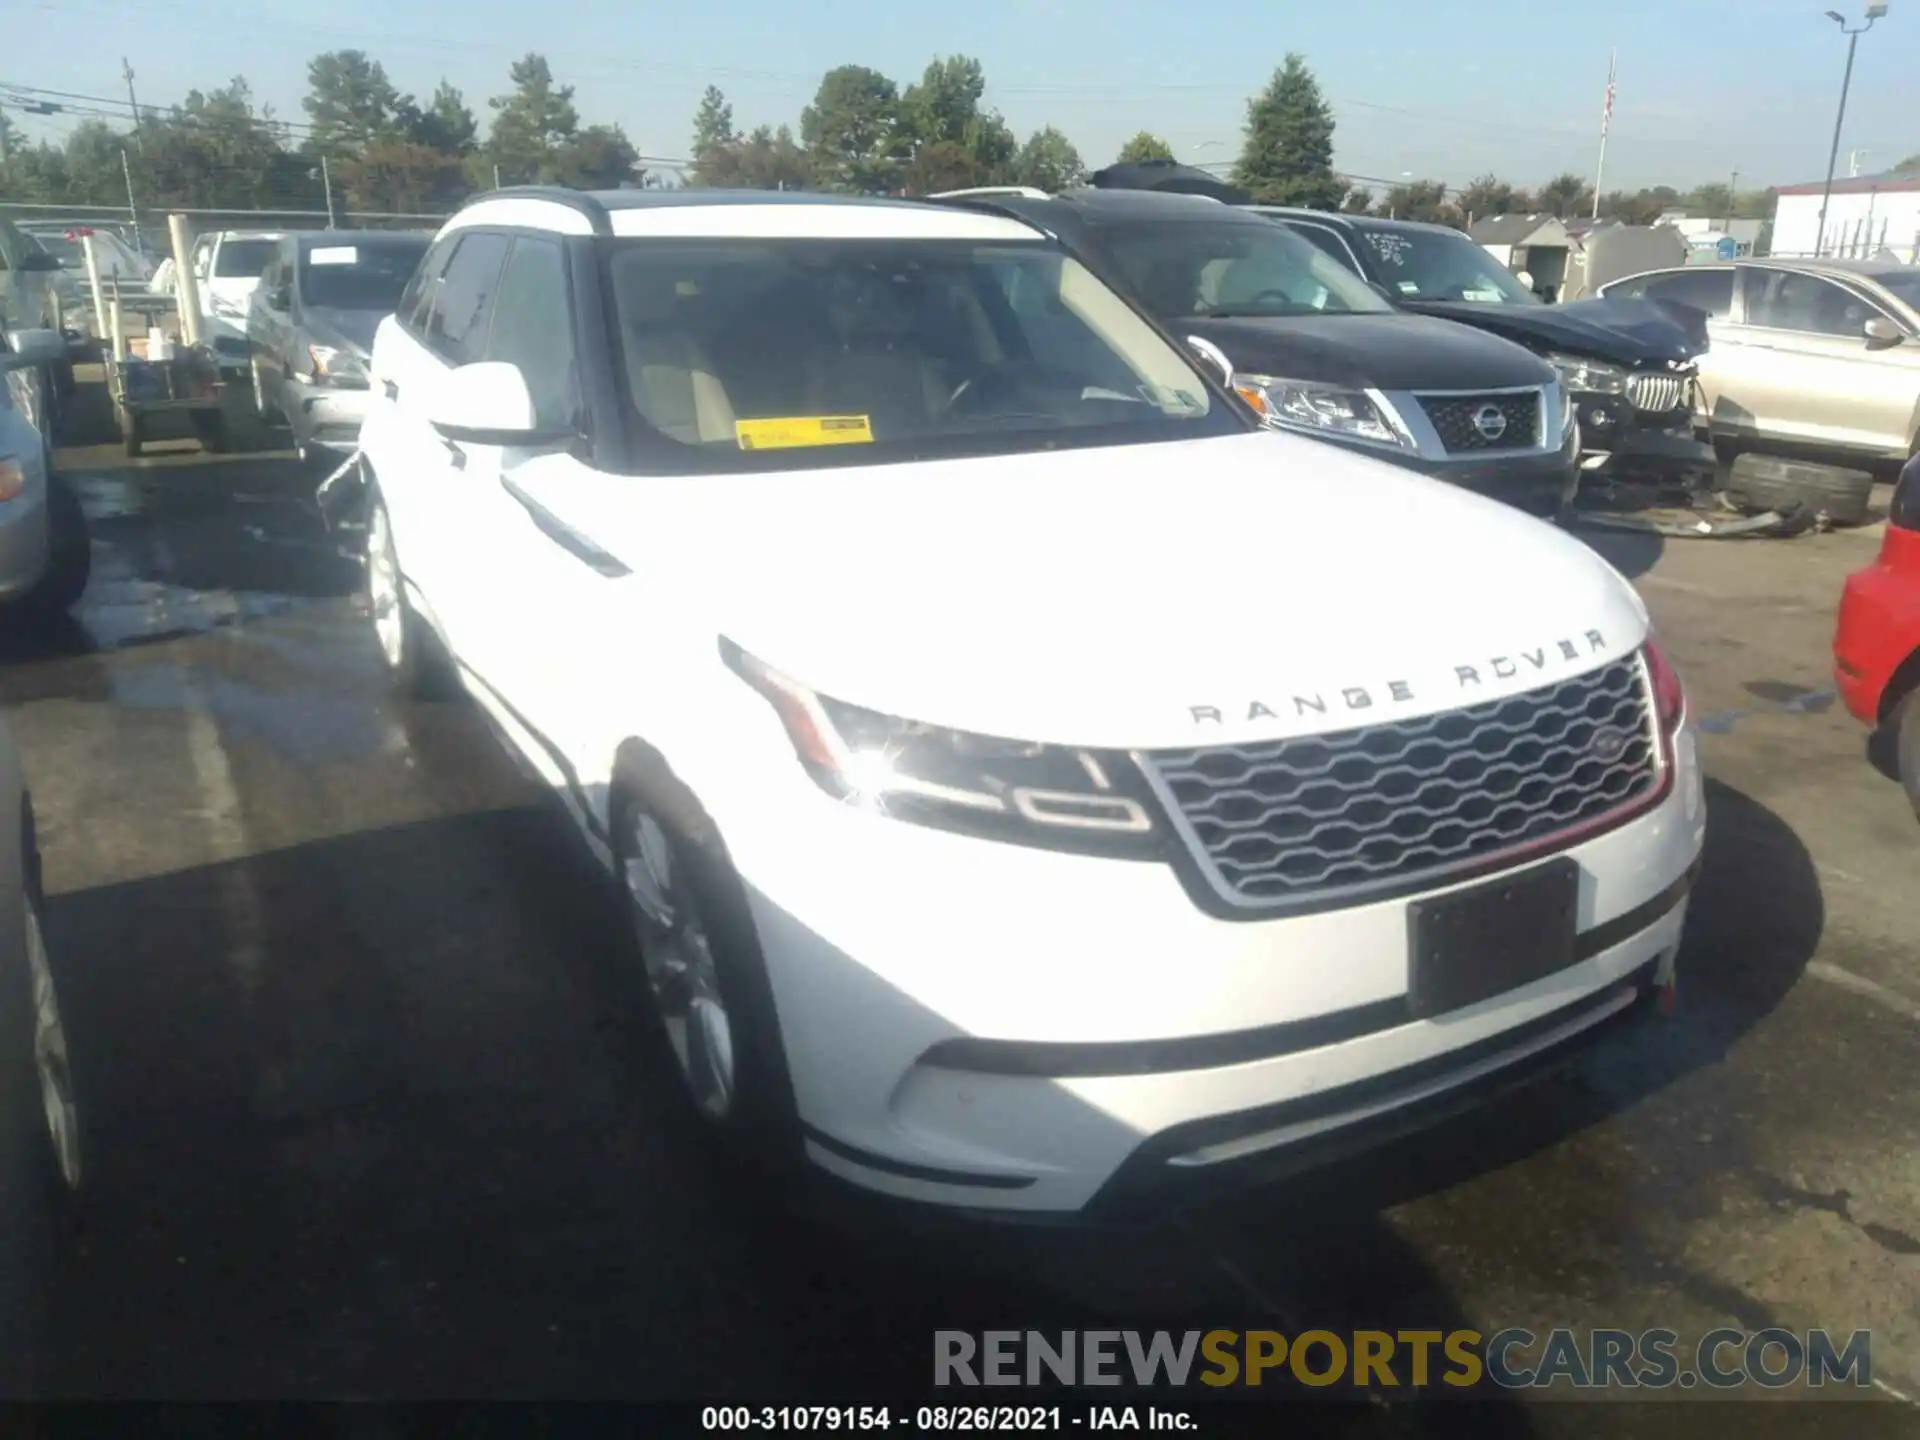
(1172, 594)
(346, 329)
(1383, 352)
(1621, 332)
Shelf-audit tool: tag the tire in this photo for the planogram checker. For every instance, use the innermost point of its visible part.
(416, 668)
(1904, 724)
(1769, 482)
(653, 815)
(260, 406)
(38, 1192)
(69, 552)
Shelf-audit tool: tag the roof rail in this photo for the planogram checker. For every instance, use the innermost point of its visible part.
(1025, 192)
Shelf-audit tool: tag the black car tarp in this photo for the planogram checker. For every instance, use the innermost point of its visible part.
(1169, 177)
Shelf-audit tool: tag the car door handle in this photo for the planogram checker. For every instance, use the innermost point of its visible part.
(392, 390)
(459, 455)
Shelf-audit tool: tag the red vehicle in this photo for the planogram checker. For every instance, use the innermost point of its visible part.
(1876, 649)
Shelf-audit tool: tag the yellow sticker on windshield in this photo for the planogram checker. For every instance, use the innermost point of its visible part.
(787, 434)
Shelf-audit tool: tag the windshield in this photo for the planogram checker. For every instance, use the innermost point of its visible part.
(1231, 269)
(244, 258)
(365, 275)
(1904, 284)
(779, 354)
(66, 251)
(1428, 265)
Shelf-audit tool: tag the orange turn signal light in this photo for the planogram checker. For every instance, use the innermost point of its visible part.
(13, 479)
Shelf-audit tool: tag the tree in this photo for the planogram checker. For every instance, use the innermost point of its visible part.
(1287, 157)
(350, 103)
(1909, 168)
(1359, 201)
(1490, 195)
(1639, 208)
(853, 131)
(1048, 162)
(401, 176)
(599, 157)
(1145, 146)
(712, 128)
(767, 159)
(446, 125)
(532, 124)
(941, 165)
(1424, 200)
(1565, 196)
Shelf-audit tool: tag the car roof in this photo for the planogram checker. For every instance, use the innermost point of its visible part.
(1851, 269)
(731, 214)
(318, 239)
(1357, 222)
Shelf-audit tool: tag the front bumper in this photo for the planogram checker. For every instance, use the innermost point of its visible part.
(1618, 438)
(1540, 483)
(994, 1027)
(325, 415)
(1878, 626)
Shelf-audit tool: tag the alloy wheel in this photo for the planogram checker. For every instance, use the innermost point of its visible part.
(50, 1058)
(677, 950)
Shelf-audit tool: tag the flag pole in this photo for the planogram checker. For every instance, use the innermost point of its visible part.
(1606, 122)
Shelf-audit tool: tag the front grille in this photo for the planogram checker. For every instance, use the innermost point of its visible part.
(1288, 822)
(1656, 394)
(1454, 417)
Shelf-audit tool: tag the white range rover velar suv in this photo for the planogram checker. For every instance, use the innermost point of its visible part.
(1035, 786)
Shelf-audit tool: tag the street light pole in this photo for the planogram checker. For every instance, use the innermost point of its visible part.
(1853, 34)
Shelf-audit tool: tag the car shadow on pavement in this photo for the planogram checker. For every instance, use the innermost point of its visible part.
(382, 1115)
(1633, 553)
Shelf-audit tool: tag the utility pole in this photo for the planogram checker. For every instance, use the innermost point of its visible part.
(133, 104)
(1853, 34)
(133, 211)
(1606, 123)
(326, 182)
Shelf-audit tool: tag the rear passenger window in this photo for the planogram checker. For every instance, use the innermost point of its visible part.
(416, 301)
(533, 329)
(463, 300)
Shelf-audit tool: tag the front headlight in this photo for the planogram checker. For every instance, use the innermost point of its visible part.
(1590, 375)
(333, 366)
(1058, 797)
(1317, 409)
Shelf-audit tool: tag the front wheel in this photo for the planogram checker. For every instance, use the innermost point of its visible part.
(1905, 725)
(69, 551)
(704, 969)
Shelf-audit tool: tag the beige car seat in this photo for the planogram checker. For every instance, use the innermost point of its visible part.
(674, 385)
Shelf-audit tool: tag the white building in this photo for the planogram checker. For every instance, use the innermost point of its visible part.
(1868, 217)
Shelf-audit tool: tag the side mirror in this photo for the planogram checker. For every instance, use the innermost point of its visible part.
(280, 300)
(1525, 277)
(33, 347)
(39, 263)
(1882, 333)
(487, 403)
(1214, 356)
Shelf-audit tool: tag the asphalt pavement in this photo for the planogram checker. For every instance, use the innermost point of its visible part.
(374, 1115)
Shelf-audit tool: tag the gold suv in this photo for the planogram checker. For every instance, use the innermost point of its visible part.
(1820, 357)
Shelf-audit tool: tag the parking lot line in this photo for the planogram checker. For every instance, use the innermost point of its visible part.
(1860, 985)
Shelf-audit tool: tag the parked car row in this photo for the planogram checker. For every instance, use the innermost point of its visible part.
(1112, 676)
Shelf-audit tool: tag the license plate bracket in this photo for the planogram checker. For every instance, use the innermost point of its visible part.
(1469, 945)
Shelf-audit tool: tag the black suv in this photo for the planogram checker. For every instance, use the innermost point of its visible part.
(1315, 349)
(1629, 363)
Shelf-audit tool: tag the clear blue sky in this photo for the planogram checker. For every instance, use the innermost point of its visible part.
(1445, 88)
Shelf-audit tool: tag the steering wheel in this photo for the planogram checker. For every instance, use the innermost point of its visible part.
(1010, 390)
